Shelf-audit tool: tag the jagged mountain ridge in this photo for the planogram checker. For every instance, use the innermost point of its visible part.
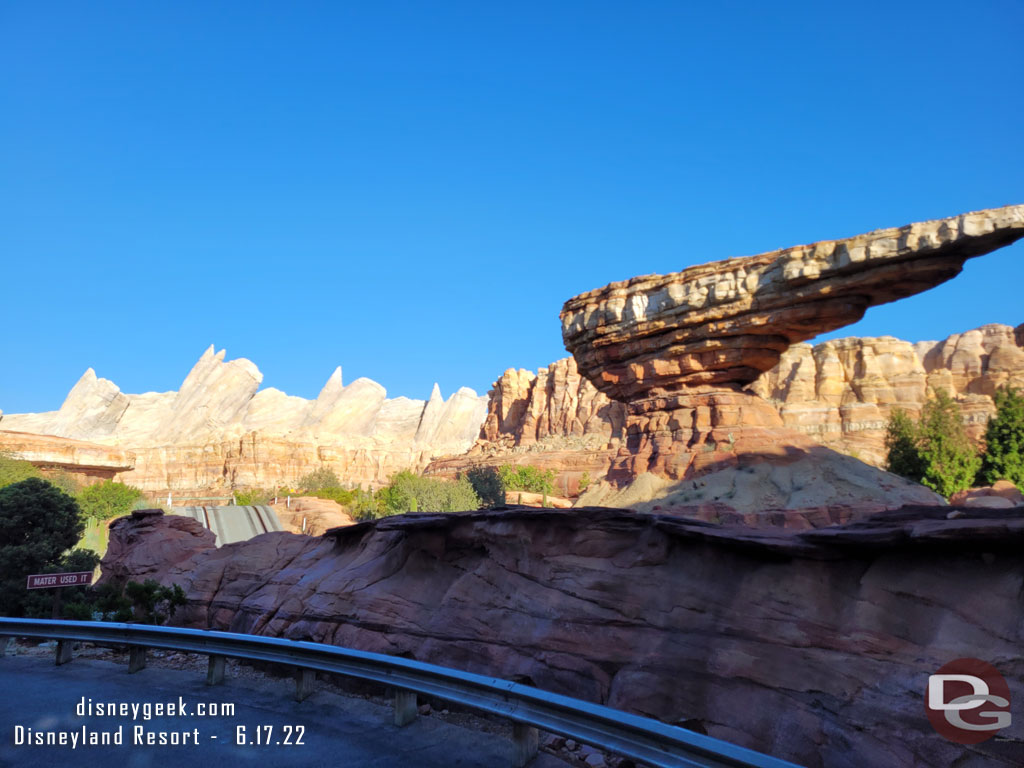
(220, 429)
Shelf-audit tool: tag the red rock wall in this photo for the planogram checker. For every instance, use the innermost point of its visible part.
(836, 393)
(813, 646)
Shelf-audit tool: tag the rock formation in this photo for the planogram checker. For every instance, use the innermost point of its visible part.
(838, 393)
(220, 430)
(842, 392)
(812, 645)
(730, 321)
(90, 462)
(678, 348)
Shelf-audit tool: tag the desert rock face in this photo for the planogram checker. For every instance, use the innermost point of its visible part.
(220, 430)
(841, 392)
(814, 646)
(89, 461)
(678, 348)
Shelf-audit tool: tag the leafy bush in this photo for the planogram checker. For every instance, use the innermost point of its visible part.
(366, 506)
(318, 479)
(153, 603)
(15, 470)
(38, 524)
(901, 443)
(935, 452)
(951, 460)
(108, 499)
(65, 481)
(584, 481)
(527, 478)
(253, 496)
(1004, 440)
(408, 492)
(486, 483)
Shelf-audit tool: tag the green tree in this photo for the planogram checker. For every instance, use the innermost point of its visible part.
(1004, 440)
(366, 506)
(409, 492)
(903, 456)
(527, 478)
(935, 451)
(951, 460)
(317, 479)
(38, 524)
(14, 470)
(153, 603)
(487, 484)
(108, 499)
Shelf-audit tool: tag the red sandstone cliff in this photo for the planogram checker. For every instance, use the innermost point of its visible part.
(813, 645)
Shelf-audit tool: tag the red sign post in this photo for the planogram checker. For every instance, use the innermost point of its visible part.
(47, 580)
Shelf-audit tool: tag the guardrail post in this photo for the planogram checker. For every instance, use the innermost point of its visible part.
(136, 658)
(405, 707)
(304, 684)
(4, 643)
(525, 741)
(63, 652)
(215, 670)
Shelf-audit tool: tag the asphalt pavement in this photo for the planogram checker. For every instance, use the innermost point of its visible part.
(40, 701)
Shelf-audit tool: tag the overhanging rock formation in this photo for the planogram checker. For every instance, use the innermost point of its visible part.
(678, 349)
(730, 321)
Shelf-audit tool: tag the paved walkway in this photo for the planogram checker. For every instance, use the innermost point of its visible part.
(37, 697)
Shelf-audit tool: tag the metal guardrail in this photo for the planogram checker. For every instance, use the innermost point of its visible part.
(642, 739)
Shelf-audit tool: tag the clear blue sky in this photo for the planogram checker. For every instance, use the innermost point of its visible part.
(412, 189)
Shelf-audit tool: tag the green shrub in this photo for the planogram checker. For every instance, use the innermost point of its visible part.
(584, 481)
(366, 506)
(936, 451)
(153, 603)
(408, 492)
(318, 479)
(1004, 440)
(253, 496)
(107, 500)
(527, 478)
(67, 482)
(488, 486)
(38, 524)
(951, 460)
(903, 457)
(15, 470)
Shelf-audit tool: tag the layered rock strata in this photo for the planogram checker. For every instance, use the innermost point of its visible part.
(221, 430)
(90, 462)
(814, 646)
(730, 321)
(678, 348)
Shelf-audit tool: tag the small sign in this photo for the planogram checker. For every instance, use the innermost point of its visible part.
(47, 580)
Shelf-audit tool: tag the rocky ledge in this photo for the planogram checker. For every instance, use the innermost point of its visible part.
(727, 322)
(812, 645)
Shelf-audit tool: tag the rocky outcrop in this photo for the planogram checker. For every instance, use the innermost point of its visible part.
(219, 430)
(842, 392)
(730, 321)
(310, 515)
(89, 462)
(811, 645)
(678, 348)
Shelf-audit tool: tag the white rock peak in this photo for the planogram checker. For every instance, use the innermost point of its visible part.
(221, 399)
